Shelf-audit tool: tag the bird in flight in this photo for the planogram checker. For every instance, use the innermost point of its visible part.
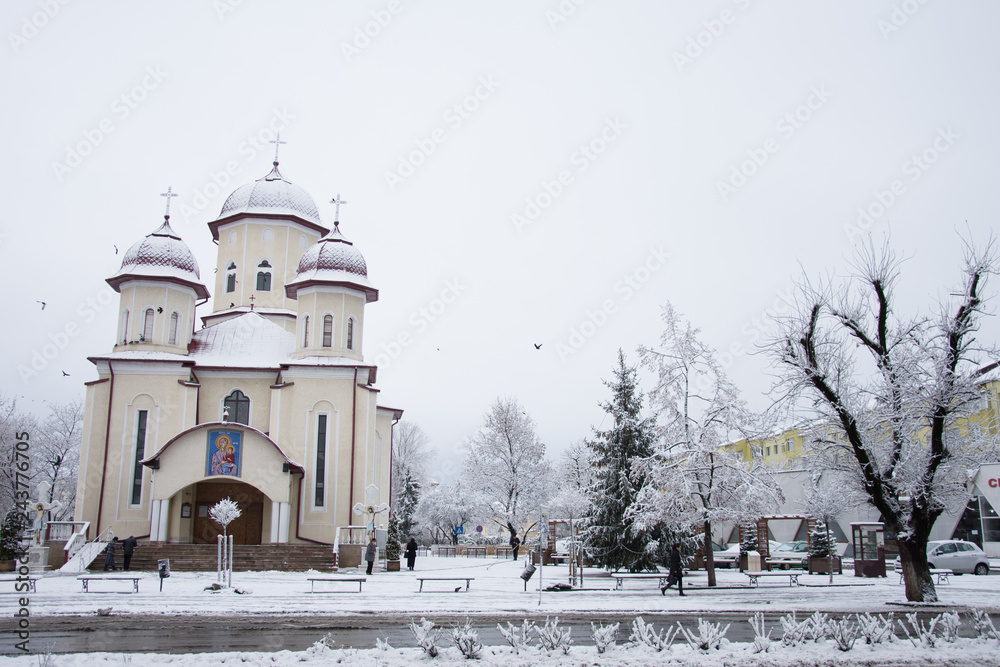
(538, 346)
(65, 374)
(43, 304)
(116, 248)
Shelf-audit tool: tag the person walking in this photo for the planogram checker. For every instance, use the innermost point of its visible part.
(370, 553)
(515, 544)
(109, 555)
(411, 553)
(128, 546)
(676, 575)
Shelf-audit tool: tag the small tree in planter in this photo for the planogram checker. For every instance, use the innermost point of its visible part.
(392, 545)
(224, 513)
(821, 549)
(748, 542)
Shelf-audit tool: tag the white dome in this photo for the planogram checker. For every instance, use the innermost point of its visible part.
(161, 254)
(271, 194)
(333, 261)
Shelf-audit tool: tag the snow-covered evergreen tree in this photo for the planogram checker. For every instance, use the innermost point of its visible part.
(820, 542)
(406, 505)
(392, 538)
(612, 539)
(748, 537)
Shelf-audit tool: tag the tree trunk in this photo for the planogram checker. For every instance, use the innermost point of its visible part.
(916, 573)
(709, 554)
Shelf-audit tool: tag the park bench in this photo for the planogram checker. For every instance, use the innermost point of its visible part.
(22, 579)
(620, 578)
(446, 552)
(793, 577)
(465, 579)
(504, 552)
(941, 574)
(357, 580)
(475, 552)
(85, 580)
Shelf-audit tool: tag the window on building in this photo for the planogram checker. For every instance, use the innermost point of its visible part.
(231, 277)
(147, 325)
(264, 277)
(267, 235)
(350, 334)
(238, 406)
(140, 454)
(123, 327)
(232, 237)
(305, 331)
(767, 451)
(328, 331)
(172, 333)
(320, 460)
(303, 241)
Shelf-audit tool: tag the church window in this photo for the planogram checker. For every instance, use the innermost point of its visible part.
(147, 326)
(328, 331)
(305, 331)
(231, 277)
(232, 237)
(123, 327)
(140, 454)
(303, 241)
(267, 235)
(320, 461)
(264, 276)
(172, 334)
(350, 333)
(238, 406)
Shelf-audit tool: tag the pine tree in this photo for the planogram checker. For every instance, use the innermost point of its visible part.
(406, 506)
(820, 544)
(611, 539)
(392, 539)
(748, 537)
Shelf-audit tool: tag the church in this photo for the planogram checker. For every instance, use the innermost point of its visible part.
(267, 400)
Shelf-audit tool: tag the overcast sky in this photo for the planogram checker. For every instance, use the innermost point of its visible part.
(554, 171)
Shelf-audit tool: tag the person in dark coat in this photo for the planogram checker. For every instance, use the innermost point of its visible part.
(676, 572)
(411, 553)
(128, 546)
(370, 553)
(109, 557)
(515, 543)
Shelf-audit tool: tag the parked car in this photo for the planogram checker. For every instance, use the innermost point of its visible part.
(730, 557)
(959, 556)
(790, 554)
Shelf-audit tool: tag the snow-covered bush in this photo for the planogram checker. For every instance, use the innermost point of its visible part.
(761, 641)
(426, 636)
(816, 627)
(983, 625)
(517, 636)
(794, 631)
(949, 623)
(922, 635)
(875, 629)
(844, 633)
(466, 640)
(552, 637)
(710, 635)
(604, 636)
(643, 633)
(382, 644)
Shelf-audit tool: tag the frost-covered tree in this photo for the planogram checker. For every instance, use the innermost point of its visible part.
(411, 456)
(695, 481)
(612, 538)
(749, 540)
(58, 454)
(895, 390)
(827, 499)
(443, 508)
(16, 424)
(224, 513)
(406, 505)
(392, 539)
(506, 465)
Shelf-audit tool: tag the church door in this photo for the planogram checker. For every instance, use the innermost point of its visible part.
(246, 529)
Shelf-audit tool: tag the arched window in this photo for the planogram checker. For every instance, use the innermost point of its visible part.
(350, 333)
(123, 327)
(303, 241)
(147, 326)
(172, 331)
(264, 277)
(328, 331)
(305, 331)
(232, 237)
(238, 406)
(267, 235)
(231, 277)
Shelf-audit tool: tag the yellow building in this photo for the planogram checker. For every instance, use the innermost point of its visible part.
(269, 402)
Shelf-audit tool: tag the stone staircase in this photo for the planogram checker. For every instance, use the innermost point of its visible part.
(203, 557)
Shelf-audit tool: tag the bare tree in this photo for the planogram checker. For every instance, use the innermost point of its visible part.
(694, 481)
(896, 391)
(14, 424)
(58, 454)
(443, 508)
(410, 455)
(506, 466)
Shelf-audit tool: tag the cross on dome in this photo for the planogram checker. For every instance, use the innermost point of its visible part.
(338, 201)
(277, 144)
(168, 194)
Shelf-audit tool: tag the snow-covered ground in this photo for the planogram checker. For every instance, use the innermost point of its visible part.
(498, 591)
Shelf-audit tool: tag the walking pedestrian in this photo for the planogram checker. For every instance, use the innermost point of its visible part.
(515, 544)
(370, 554)
(109, 555)
(128, 546)
(676, 575)
(411, 553)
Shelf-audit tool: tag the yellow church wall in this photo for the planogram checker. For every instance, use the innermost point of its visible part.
(343, 305)
(216, 385)
(137, 297)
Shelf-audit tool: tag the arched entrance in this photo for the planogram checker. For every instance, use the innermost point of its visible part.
(247, 529)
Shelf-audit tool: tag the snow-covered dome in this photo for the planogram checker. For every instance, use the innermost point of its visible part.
(333, 260)
(161, 254)
(272, 194)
